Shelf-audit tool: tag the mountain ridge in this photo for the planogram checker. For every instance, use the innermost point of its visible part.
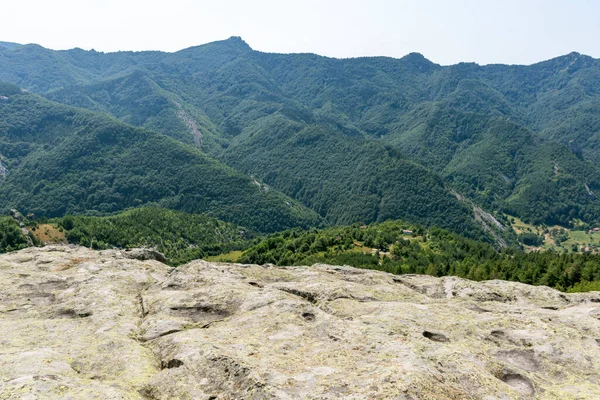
(242, 44)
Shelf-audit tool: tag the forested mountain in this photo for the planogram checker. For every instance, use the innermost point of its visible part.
(60, 160)
(357, 140)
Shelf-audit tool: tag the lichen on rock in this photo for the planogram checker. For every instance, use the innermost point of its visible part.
(78, 323)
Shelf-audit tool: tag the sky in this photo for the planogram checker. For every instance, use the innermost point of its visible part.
(444, 31)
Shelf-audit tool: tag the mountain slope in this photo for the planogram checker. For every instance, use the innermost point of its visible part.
(61, 160)
(345, 178)
(482, 129)
(138, 100)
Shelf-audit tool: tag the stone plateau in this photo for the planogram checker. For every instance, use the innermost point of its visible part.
(83, 324)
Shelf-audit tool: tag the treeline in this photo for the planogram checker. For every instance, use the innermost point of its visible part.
(180, 236)
(400, 248)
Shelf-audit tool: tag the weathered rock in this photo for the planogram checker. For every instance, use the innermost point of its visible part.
(76, 323)
(145, 254)
(16, 214)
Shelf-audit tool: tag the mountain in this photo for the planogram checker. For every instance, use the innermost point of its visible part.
(357, 140)
(59, 160)
(136, 99)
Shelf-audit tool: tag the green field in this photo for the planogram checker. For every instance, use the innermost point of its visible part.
(579, 239)
(232, 257)
(582, 239)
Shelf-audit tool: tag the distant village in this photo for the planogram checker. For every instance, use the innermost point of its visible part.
(591, 248)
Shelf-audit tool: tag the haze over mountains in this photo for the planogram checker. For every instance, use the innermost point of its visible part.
(300, 139)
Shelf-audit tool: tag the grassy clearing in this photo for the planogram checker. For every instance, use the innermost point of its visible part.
(576, 238)
(362, 249)
(520, 227)
(232, 256)
(48, 234)
(583, 239)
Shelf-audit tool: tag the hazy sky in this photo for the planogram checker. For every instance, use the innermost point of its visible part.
(446, 32)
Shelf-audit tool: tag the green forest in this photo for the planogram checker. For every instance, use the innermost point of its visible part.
(393, 246)
(401, 248)
(62, 160)
(181, 237)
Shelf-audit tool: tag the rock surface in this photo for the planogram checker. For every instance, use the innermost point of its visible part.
(76, 323)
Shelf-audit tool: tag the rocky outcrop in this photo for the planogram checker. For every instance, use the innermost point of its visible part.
(76, 323)
(144, 254)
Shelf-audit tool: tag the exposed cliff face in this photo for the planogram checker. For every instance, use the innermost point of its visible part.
(76, 323)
